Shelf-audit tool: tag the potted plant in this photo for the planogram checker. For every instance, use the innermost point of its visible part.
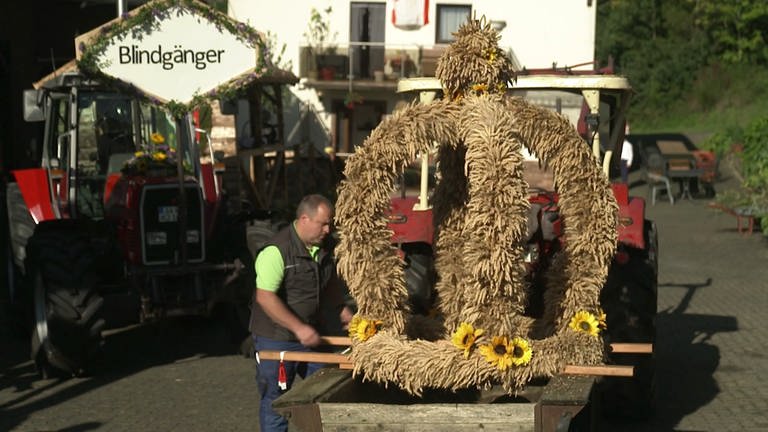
(320, 41)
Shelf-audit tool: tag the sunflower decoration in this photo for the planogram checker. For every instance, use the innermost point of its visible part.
(521, 351)
(498, 352)
(585, 322)
(363, 329)
(157, 138)
(465, 336)
(601, 319)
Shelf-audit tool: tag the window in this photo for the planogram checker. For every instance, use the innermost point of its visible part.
(449, 18)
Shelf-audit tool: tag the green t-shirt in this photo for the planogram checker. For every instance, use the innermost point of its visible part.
(269, 267)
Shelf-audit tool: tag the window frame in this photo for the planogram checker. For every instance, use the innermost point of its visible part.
(438, 18)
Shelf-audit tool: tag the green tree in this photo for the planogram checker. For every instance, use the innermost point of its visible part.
(737, 28)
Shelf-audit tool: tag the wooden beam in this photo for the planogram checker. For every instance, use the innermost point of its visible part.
(606, 370)
(618, 348)
(632, 348)
(343, 362)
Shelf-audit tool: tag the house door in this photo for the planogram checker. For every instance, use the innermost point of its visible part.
(367, 22)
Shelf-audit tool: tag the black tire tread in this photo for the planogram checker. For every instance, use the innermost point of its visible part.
(61, 254)
(629, 299)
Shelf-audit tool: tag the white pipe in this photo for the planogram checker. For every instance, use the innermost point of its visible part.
(120, 8)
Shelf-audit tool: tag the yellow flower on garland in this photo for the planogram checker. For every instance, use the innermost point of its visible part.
(363, 329)
(157, 138)
(521, 351)
(480, 88)
(139, 154)
(585, 322)
(353, 323)
(159, 156)
(498, 352)
(465, 336)
(601, 319)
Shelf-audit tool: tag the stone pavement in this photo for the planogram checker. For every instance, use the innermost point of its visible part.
(711, 327)
(185, 375)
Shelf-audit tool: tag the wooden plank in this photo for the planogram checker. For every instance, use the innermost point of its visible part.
(342, 360)
(314, 388)
(607, 370)
(620, 348)
(303, 356)
(632, 348)
(427, 417)
(335, 340)
(568, 390)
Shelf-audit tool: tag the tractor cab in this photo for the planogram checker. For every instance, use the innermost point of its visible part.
(95, 135)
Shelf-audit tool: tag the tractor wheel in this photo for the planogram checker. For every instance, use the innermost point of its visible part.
(20, 228)
(420, 280)
(629, 301)
(63, 281)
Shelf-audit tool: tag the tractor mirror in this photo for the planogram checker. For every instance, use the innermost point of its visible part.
(33, 110)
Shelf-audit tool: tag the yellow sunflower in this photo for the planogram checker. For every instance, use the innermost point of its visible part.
(159, 156)
(498, 352)
(491, 55)
(362, 328)
(521, 351)
(480, 88)
(585, 322)
(139, 154)
(353, 326)
(601, 323)
(465, 336)
(157, 138)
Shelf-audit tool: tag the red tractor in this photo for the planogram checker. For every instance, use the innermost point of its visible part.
(596, 104)
(120, 221)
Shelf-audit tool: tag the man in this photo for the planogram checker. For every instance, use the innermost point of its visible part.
(295, 280)
(627, 155)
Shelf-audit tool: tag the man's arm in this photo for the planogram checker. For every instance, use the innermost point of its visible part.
(274, 307)
(269, 275)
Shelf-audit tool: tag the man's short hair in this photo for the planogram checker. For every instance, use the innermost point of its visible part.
(310, 203)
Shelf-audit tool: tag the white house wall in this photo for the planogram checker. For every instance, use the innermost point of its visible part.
(540, 32)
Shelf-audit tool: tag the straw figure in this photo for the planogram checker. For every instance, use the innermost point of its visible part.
(480, 336)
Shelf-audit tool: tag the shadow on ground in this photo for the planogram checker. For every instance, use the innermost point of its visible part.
(685, 362)
(127, 351)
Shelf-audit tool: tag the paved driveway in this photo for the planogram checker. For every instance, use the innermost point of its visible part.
(185, 375)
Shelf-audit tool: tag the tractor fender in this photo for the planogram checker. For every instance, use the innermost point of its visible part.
(35, 189)
(631, 217)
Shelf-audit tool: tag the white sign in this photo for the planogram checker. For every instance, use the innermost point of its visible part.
(182, 56)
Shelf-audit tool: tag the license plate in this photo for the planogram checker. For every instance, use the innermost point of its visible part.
(167, 214)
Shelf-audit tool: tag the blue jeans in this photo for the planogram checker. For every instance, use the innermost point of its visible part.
(266, 378)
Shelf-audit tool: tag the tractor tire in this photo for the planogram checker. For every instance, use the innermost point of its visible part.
(629, 300)
(20, 229)
(420, 281)
(63, 280)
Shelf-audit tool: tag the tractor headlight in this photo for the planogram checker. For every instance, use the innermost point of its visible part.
(531, 253)
(156, 238)
(193, 236)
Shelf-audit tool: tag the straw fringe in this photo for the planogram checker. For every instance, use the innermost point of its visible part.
(480, 217)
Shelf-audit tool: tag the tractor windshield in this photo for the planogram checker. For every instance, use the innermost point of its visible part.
(112, 127)
(112, 131)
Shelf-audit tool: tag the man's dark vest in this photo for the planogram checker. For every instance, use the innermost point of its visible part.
(304, 279)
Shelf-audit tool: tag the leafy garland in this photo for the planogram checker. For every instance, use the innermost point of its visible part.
(145, 20)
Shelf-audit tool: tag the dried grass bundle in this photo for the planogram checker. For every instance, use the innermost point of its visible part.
(480, 217)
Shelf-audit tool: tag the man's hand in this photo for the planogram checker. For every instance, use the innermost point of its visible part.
(346, 317)
(279, 313)
(307, 335)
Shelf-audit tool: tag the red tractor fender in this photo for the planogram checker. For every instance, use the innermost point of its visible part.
(409, 225)
(35, 189)
(631, 217)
